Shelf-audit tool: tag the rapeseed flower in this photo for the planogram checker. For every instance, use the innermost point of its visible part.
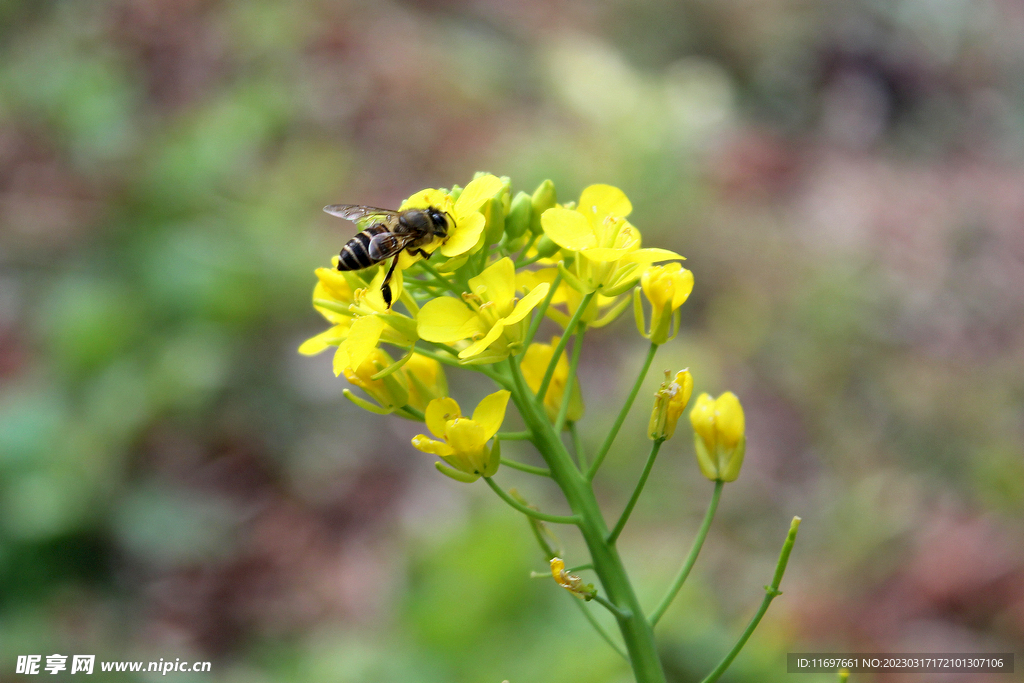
(667, 288)
(490, 315)
(463, 443)
(720, 436)
(608, 257)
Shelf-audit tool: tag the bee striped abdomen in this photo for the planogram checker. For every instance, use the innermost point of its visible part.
(355, 255)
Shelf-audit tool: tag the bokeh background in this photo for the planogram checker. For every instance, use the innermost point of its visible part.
(846, 179)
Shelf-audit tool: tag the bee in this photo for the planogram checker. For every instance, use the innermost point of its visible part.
(387, 234)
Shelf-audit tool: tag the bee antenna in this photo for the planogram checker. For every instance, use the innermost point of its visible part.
(451, 217)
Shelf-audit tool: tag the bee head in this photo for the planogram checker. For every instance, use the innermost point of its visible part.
(439, 222)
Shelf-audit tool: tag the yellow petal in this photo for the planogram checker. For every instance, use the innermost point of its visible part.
(729, 419)
(447, 319)
(683, 287)
(604, 200)
(427, 445)
(341, 361)
(490, 413)
(330, 337)
(568, 229)
(527, 303)
(605, 254)
(425, 198)
(334, 284)
(702, 417)
(481, 344)
(466, 436)
(478, 190)
(497, 283)
(652, 255)
(465, 235)
(439, 412)
(362, 339)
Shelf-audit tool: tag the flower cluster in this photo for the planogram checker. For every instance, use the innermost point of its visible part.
(479, 298)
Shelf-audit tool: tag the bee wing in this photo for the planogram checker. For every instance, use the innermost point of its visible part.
(362, 214)
(385, 244)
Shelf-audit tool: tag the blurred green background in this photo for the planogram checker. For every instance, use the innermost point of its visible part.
(846, 179)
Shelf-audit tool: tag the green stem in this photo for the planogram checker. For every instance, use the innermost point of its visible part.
(528, 511)
(522, 467)
(563, 409)
(597, 627)
(636, 631)
(541, 311)
(616, 612)
(614, 535)
(577, 447)
(454, 362)
(771, 592)
(684, 572)
(606, 446)
(515, 436)
(570, 329)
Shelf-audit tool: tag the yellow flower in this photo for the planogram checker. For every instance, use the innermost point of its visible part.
(465, 235)
(669, 402)
(666, 287)
(490, 315)
(719, 436)
(463, 442)
(571, 582)
(361, 318)
(332, 297)
(608, 254)
(535, 364)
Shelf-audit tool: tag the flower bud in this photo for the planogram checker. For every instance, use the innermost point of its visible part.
(535, 363)
(390, 391)
(544, 198)
(669, 402)
(571, 582)
(719, 436)
(426, 380)
(519, 215)
(667, 288)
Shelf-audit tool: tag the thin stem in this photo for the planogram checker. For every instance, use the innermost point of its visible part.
(528, 511)
(579, 568)
(515, 436)
(570, 328)
(541, 311)
(771, 592)
(606, 446)
(614, 535)
(684, 572)
(454, 362)
(533, 259)
(441, 280)
(522, 467)
(597, 627)
(577, 446)
(616, 612)
(563, 410)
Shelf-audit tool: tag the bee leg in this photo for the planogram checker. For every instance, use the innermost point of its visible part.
(420, 252)
(385, 287)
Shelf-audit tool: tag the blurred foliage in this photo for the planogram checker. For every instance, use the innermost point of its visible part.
(844, 177)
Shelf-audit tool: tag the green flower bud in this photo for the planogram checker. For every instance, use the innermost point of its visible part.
(544, 198)
(669, 403)
(519, 215)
